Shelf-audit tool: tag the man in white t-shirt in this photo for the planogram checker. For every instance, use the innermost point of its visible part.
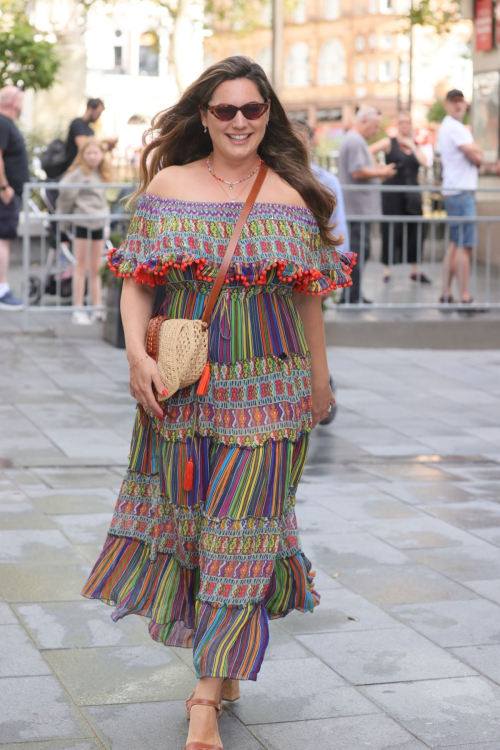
(460, 158)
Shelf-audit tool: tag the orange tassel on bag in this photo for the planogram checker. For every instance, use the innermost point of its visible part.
(204, 380)
(189, 475)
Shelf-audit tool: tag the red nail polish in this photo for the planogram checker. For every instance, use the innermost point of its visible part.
(164, 393)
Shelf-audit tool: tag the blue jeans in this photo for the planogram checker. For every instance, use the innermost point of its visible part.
(463, 204)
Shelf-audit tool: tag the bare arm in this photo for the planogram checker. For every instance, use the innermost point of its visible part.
(384, 144)
(7, 194)
(80, 140)
(420, 157)
(311, 314)
(367, 173)
(473, 153)
(136, 308)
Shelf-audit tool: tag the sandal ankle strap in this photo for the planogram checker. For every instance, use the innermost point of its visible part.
(203, 702)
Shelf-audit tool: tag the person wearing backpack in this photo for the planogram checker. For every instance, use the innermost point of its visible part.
(60, 155)
(90, 166)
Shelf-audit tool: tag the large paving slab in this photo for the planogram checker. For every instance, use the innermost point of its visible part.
(55, 745)
(418, 532)
(121, 674)
(485, 659)
(36, 546)
(38, 708)
(374, 732)
(402, 584)
(453, 623)
(479, 561)
(313, 691)
(18, 655)
(340, 610)
(385, 656)
(151, 726)
(80, 624)
(44, 582)
(443, 712)
(78, 501)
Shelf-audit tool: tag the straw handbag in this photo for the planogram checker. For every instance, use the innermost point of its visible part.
(179, 346)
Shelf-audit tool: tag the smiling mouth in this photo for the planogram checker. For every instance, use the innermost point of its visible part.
(239, 138)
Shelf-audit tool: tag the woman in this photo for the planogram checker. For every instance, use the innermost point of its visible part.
(210, 566)
(90, 166)
(408, 158)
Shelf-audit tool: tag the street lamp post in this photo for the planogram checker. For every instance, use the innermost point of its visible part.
(410, 72)
(277, 45)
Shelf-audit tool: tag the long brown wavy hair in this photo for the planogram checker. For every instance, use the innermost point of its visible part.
(176, 137)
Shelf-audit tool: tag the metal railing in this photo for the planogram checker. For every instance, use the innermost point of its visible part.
(400, 240)
(49, 242)
(49, 257)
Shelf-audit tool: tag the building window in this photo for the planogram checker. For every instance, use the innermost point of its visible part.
(372, 71)
(297, 66)
(359, 43)
(385, 72)
(149, 54)
(372, 41)
(332, 9)
(299, 14)
(118, 66)
(386, 41)
(387, 6)
(359, 72)
(404, 71)
(332, 63)
(265, 60)
(373, 6)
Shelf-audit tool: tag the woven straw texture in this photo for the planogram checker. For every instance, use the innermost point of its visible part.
(182, 353)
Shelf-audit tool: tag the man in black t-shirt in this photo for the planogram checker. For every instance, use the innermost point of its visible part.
(80, 130)
(14, 172)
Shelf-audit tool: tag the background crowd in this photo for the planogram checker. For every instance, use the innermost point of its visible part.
(364, 164)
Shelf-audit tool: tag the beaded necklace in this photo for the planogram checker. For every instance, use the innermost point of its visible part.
(227, 182)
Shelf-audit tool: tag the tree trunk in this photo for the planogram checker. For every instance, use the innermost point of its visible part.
(187, 42)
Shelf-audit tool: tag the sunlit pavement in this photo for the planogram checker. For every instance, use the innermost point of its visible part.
(400, 513)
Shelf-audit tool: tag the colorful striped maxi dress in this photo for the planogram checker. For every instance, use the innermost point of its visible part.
(210, 566)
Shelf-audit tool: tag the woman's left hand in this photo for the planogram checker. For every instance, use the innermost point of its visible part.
(322, 399)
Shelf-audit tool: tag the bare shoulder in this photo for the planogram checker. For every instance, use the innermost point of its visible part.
(172, 182)
(277, 190)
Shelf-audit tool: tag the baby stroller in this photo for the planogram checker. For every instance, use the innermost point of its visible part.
(55, 276)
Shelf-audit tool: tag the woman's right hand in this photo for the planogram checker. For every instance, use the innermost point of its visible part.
(143, 376)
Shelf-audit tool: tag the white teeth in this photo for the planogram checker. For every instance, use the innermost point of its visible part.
(239, 137)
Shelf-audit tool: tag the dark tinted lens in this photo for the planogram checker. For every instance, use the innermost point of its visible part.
(224, 111)
(253, 111)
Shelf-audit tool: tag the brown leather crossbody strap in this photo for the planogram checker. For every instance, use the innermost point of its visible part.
(219, 281)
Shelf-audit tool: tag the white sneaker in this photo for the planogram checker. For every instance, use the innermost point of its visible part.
(81, 318)
(98, 316)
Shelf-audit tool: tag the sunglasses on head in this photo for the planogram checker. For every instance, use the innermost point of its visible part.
(226, 112)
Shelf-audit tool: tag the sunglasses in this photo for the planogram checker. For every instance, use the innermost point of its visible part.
(227, 112)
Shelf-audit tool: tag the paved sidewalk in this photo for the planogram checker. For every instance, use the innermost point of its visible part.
(400, 512)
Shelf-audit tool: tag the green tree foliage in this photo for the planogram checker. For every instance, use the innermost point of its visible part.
(27, 58)
(440, 14)
(437, 112)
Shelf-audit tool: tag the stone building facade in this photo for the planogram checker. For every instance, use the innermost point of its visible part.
(340, 55)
